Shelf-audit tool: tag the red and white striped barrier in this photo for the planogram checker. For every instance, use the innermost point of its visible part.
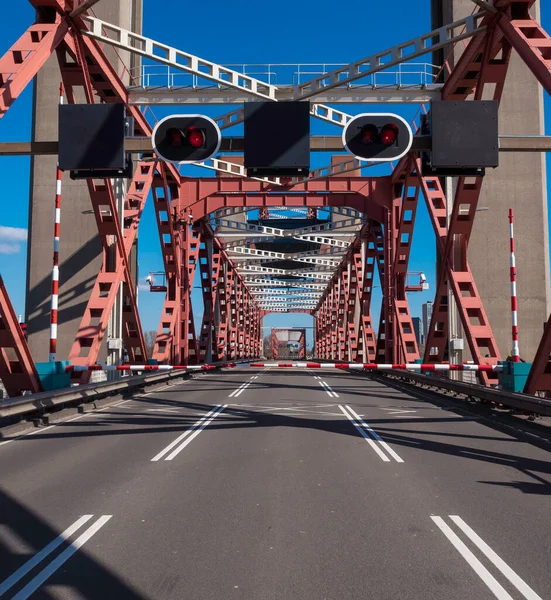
(515, 353)
(55, 269)
(80, 368)
(381, 367)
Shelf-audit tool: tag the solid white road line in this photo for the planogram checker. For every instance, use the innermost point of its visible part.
(521, 585)
(40, 556)
(497, 589)
(394, 455)
(49, 570)
(194, 435)
(185, 434)
(366, 437)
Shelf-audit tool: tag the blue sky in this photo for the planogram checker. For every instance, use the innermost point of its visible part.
(245, 31)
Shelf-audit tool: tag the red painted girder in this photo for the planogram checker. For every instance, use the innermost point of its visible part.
(539, 379)
(368, 206)
(94, 322)
(17, 368)
(24, 59)
(533, 45)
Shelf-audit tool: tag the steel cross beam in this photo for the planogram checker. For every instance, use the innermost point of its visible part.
(148, 48)
(306, 234)
(296, 256)
(439, 38)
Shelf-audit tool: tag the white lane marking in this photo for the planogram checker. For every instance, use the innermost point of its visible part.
(50, 569)
(324, 388)
(521, 585)
(185, 434)
(194, 435)
(40, 556)
(399, 412)
(476, 565)
(394, 455)
(330, 389)
(235, 391)
(366, 437)
(242, 389)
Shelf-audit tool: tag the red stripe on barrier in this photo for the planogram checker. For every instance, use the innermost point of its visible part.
(256, 364)
(313, 366)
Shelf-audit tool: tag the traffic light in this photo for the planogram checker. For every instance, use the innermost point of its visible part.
(23, 327)
(377, 137)
(186, 139)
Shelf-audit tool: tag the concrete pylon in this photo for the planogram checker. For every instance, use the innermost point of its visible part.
(80, 248)
(519, 183)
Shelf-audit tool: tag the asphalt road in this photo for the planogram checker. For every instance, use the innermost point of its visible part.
(275, 484)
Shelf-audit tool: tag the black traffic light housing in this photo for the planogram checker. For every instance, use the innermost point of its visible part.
(465, 138)
(186, 139)
(277, 139)
(377, 137)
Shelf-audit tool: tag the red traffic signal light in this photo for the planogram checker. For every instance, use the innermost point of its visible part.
(377, 137)
(186, 138)
(389, 134)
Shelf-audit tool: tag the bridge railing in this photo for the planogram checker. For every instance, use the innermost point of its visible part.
(403, 76)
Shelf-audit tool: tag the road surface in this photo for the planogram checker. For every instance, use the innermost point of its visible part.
(269, 484)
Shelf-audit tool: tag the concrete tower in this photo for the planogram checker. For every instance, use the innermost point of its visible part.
(518, 183)
(80, 248)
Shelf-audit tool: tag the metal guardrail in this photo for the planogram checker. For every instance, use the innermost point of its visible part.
(44, 401)
(523, 402)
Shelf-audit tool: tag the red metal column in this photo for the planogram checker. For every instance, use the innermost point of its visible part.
(406, 349)
(342, 282)
(365, 267)
(274, 344)
(17, 369)
(233, 337)
(354, 326)
(115, 270)
(209, 268)
(226, 279)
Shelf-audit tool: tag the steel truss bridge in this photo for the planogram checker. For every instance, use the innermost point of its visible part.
(257, 246)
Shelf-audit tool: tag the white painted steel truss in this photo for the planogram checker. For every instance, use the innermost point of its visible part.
(305, 257)
(177, 59)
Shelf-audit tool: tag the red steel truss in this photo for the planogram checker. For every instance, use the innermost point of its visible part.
(17, 370)
(231, 316)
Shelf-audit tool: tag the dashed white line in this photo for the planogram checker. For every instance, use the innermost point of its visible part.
(197, 428)
(335, 395)
(324, 388)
